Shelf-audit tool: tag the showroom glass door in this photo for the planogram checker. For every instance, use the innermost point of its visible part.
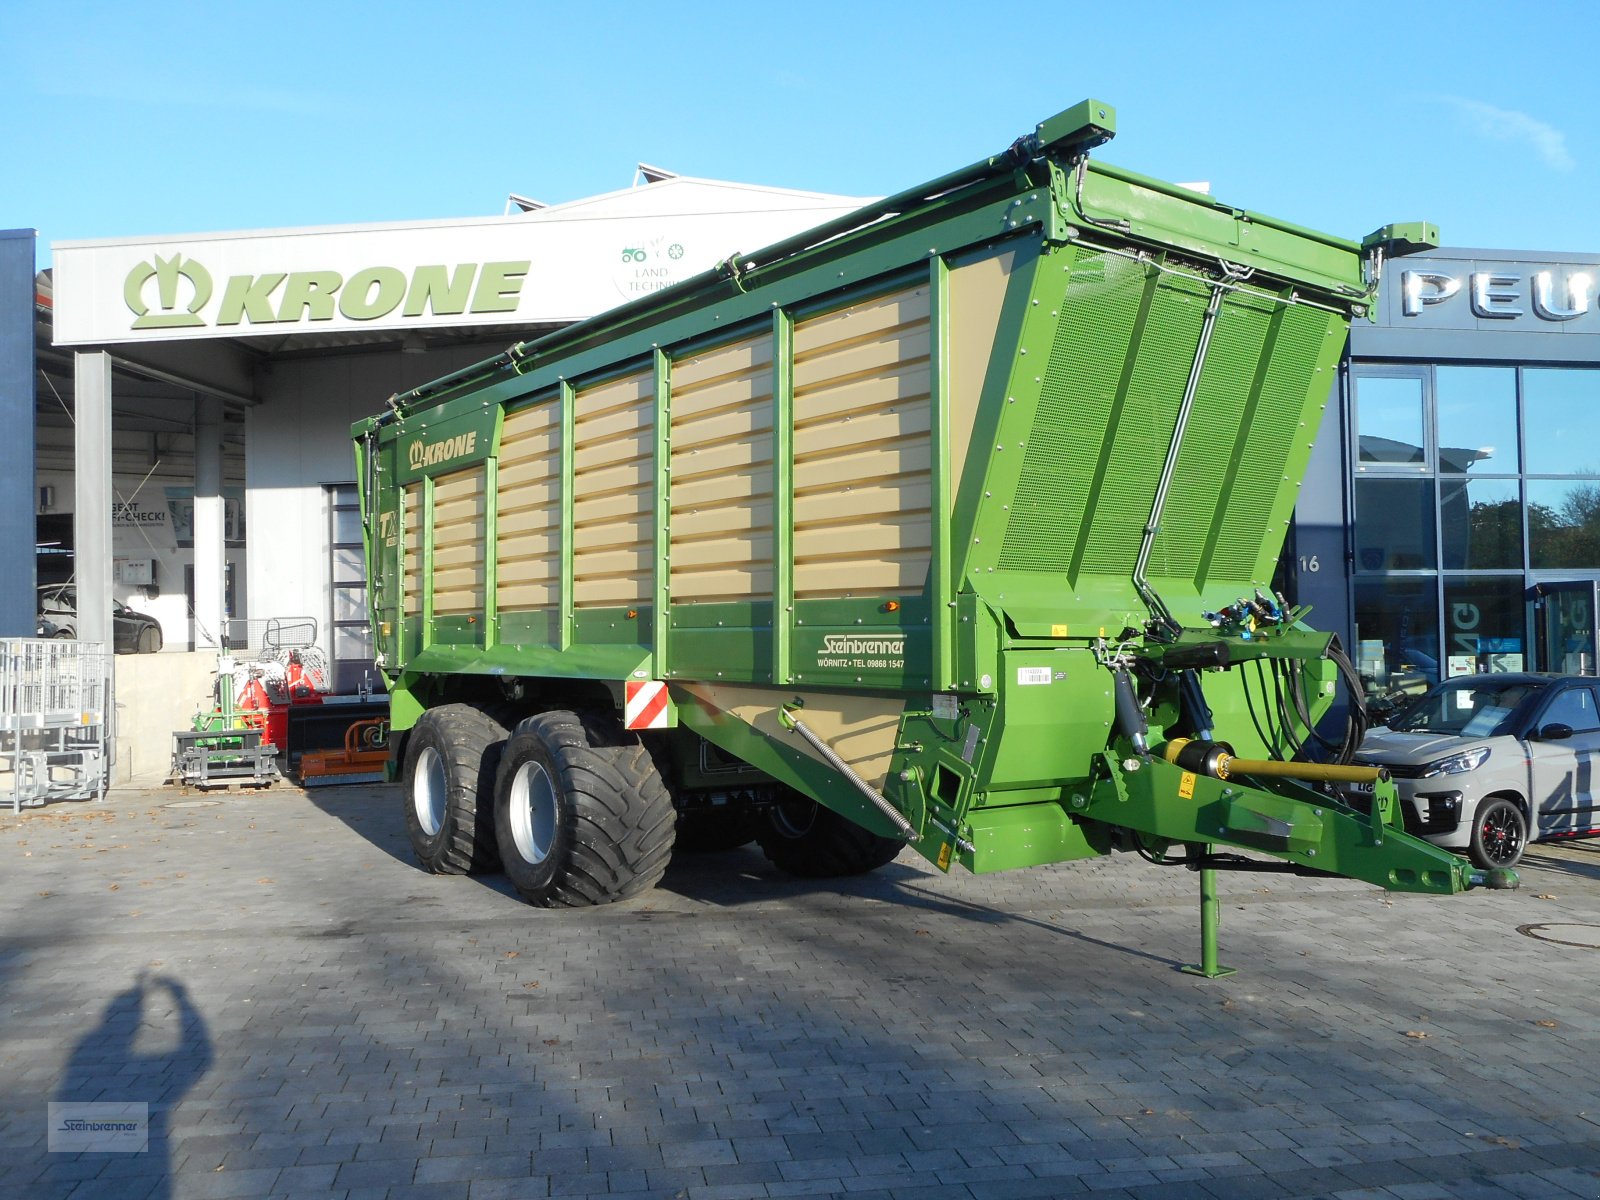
(1562, 614)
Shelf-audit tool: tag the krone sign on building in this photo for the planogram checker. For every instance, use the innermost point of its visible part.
(551, 266)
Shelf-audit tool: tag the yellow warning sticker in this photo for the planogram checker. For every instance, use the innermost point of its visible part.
(944, 857)
(1058, 631)
(1186, 786)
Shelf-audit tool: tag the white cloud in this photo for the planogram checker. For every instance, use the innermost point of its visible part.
(1508, 125)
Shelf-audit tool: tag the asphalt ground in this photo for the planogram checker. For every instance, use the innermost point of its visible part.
(308, 1014)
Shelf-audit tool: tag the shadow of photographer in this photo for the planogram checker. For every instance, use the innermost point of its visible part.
(151, 1046)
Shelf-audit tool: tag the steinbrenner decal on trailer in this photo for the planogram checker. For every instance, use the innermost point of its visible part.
(862, 651)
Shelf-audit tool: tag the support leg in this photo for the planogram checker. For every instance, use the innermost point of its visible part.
(1210, 917)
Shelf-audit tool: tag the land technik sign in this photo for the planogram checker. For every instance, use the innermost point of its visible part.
(552, 266)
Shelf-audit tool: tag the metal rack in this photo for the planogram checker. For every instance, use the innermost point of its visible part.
(55, 720)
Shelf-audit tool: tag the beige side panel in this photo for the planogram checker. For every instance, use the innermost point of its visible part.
(459, 511)
(859, 729)
(528, 524)
(411, 573)
(535, 518)
(862, 448)
(721, 519)
(613, 456)
(737, 360)
(977, 294)
(848, 501)
(870, 319)
(519, 477)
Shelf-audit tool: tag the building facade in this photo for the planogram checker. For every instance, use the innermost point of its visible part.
(1462, 462)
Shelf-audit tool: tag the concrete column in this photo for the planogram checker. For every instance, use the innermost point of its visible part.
(91, 514)
(209, 553)
(18, 501)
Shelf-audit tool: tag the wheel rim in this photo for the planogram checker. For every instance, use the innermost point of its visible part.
(428, 791)
(532, 812)
(1502, 835)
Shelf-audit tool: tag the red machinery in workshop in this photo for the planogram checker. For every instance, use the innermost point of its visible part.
(268, 688)
(320, 738)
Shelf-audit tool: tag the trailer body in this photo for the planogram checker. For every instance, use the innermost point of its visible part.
(948, 516)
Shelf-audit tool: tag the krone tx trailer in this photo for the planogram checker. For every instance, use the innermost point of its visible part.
(947, 525)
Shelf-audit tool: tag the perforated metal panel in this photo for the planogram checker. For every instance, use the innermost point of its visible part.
(1119, 364)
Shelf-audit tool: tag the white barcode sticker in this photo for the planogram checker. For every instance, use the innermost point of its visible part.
(1029, 676)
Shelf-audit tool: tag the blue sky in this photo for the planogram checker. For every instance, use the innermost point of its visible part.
(121, 120)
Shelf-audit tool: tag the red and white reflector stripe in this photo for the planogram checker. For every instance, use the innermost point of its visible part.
(647, 705)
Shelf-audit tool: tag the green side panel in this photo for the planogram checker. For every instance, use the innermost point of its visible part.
(1029, 835)
(1226, 400)
(1108, 406)
(458, 631)
(542, 628)
(613, 627)
(1081, 402)
(721, 641)
(1244, 451)
(1150, 389)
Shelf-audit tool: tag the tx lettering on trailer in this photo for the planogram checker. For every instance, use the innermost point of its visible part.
(647, 705)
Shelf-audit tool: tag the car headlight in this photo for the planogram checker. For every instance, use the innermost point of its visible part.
(1457, 764)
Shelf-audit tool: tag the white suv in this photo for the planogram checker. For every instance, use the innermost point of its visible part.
(1488, 763)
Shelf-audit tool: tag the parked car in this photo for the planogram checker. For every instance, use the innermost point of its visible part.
(132, 632)
(1487, 763)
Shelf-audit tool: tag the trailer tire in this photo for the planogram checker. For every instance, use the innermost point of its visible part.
(582, 816)
(804, 838)
(447, 779)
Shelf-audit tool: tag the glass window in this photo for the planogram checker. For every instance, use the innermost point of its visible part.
(1389, 418)
(1484, 625)
(348, 566)
(352, 642)
(350, 604)
(1574, 707)
(1470, 707)
(1477, 409)
(1561, 410)
(1397, 639)
(1563, 524)
(347, 525)
(1480, 523)
(1394, 525)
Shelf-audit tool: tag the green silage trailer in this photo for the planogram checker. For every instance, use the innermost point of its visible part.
(947, 525)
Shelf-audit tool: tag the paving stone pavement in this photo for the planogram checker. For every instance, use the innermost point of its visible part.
(308, 1014)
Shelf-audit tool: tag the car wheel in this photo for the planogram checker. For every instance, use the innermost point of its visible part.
(149, 640)
(1499, 834)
